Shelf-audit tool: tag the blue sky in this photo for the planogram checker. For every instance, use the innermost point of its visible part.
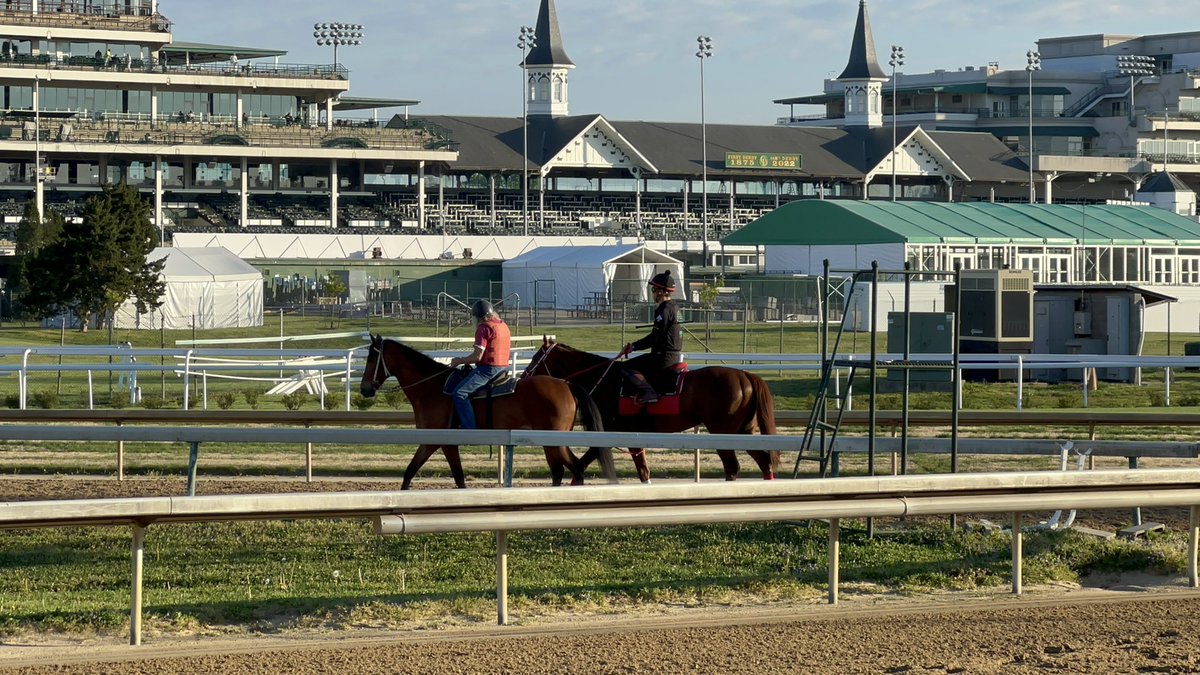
(636, 58)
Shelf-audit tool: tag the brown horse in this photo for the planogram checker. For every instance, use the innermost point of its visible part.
(724, 400)
(538, 403)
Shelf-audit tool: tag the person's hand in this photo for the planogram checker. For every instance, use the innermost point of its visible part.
(627, 350)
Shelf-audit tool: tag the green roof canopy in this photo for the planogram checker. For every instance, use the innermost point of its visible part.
(199, 52)
(815, 222)
(347, 103)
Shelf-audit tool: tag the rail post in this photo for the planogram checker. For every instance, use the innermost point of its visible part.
(834, 558)
(502, 577)
(193, 460)
(1194, 547)
(137, 556)
(308, 457)
(120, 458)
(1016, 553)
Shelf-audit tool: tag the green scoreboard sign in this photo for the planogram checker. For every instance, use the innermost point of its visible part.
(761, 160)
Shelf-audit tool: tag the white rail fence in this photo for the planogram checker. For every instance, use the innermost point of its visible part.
(320, 364)
(503, 511)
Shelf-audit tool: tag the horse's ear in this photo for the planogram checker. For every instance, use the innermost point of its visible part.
(545, 341)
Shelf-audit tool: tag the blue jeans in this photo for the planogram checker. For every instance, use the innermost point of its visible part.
(462, 401)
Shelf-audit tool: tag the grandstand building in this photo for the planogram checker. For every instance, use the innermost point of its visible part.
(99, 91)
(1098, 132)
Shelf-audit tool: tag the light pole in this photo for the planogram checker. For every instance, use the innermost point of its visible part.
(527, 41)
(896, 60)
(704, 52)
(1133, 66)
(1033, 61)
(338, 34)
(39, 191)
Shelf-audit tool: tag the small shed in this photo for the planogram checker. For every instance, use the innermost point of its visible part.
(205, 287)
(568, 277)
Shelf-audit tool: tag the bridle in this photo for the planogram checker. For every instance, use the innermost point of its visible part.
(380, 364)
(545, 366)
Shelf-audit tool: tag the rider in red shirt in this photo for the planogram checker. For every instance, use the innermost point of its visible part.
(492, 345)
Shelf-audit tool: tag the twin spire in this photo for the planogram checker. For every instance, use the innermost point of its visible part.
(546, 67)
(863, 64)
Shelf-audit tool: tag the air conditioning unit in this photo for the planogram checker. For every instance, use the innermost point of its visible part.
(997, 306)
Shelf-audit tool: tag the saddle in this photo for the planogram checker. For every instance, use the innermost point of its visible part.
(500, 385)
(668, 384)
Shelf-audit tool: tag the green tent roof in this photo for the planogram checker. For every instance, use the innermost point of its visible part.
(846, 222)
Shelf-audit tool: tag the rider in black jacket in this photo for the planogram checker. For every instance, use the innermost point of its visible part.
(665, 341)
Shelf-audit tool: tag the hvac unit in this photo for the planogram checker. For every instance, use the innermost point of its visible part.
(997, 306)
(996, 316)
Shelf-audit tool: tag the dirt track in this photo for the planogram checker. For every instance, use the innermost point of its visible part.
(1123, 629)
(1093, 633)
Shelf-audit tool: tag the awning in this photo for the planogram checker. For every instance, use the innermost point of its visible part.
(1018, 91)
(199, 52)
(347, 103)
(1040, 130)
(815, 99)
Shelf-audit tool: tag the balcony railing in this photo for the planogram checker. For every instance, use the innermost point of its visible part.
(79, 14)
(254, 132)
(132, 65)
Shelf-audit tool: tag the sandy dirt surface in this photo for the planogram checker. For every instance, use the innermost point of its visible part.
(1080, 632)
(1125, 625)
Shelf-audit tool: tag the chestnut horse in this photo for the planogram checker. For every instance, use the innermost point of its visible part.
(538, 403)
(724, 400)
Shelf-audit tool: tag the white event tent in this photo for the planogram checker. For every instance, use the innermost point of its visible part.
(577, 276)
(211, 287)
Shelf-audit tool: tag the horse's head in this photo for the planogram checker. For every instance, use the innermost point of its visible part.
(375, 372)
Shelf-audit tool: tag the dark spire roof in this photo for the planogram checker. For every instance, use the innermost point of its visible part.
(549, 50)
(863, 64)
(1163, 181)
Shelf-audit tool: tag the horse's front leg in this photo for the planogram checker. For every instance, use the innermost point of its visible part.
(763, 459)
(638, 455)
(424, 452)
(454, 459)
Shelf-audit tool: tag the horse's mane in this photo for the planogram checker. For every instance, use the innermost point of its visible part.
(580, 352)
(418, 359)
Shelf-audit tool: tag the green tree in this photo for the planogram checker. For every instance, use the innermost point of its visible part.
(333, 288)
(33, 234)
(100, 262)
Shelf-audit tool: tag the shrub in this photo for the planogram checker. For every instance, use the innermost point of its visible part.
(225, 400)
(119, 399)
(251, 396)
(295, 400)
(13, 401)
(362, 402)
(1158, 399)
(1190, 400)
(331, 402)
(45, 399)
(1072, 399)
(395, 398)
(153, 402)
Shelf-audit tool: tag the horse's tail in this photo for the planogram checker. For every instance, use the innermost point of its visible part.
(592, 420)
(764, 412)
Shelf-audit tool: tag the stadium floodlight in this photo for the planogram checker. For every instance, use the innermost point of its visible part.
(896, 60)
(1033, 61)
(704, 52)
(1134, 66)
(526, 42)
(338, 35)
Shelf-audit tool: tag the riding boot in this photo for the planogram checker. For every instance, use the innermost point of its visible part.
(646, 393)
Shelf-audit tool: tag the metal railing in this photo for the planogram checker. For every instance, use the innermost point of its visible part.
(502, 511)
(121, 64)
(79, 14)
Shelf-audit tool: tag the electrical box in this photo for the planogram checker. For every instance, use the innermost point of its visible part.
(932, 333)
(1083, 323)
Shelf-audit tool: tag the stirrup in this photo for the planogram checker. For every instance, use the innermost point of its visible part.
(647, 399)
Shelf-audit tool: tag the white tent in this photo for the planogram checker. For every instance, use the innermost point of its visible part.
(211, 287)
(578, 276)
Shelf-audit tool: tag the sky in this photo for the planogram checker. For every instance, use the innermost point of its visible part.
(635, 59)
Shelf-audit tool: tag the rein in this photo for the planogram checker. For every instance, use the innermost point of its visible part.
(542, 362)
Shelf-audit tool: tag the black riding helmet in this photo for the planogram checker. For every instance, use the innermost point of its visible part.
(482, 309)
(664, 281)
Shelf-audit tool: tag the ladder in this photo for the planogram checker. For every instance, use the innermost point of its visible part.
(820, 434)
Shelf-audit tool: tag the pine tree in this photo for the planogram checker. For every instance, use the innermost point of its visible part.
(33, 235)
(97, 264)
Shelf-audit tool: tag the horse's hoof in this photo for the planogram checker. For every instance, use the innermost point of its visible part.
(576, 481)
(769, 476)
